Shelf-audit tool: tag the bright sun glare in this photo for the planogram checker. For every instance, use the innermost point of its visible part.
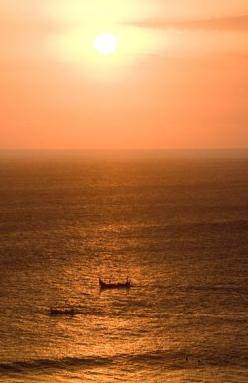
(106, 44)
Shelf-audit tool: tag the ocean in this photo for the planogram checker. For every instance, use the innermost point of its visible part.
(175, 223)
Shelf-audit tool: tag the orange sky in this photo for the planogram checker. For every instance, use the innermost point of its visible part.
(178, 79)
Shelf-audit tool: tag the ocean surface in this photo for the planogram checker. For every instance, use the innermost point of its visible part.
(175, 223)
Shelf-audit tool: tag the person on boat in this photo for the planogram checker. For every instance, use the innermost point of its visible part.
(128, 282)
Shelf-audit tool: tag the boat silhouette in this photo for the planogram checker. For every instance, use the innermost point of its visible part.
(59, 312)
(119, 285)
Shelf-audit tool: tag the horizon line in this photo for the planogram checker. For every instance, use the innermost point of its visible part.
(122, 149)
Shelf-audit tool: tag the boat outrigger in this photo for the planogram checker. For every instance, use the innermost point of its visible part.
(125, 285)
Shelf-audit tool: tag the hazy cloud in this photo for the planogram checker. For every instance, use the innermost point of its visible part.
(239, 23)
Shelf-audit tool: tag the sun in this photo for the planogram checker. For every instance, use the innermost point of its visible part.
(106, 43)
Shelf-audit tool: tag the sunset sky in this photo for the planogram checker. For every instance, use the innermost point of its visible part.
(175, 77)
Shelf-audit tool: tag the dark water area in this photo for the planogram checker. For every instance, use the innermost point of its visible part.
(175, 223)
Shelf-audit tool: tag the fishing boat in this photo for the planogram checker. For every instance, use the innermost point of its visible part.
(125, 285)
(59, 312)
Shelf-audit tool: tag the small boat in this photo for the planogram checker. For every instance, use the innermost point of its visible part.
(59, 312)
(125, 285)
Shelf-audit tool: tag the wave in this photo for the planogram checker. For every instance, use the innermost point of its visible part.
(172, 360)
(52, 364)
